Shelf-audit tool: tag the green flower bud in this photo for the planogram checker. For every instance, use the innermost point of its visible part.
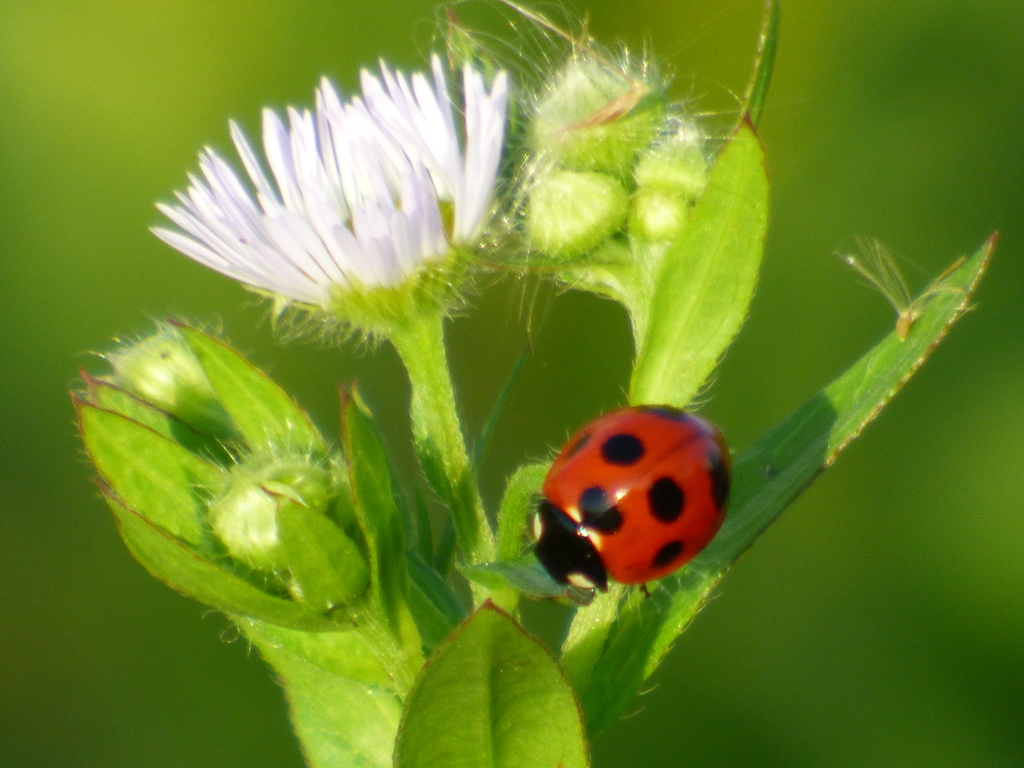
(162, 370)
(570, 213)
(658, 216)
(595, 118)
(244, 517)
(272, 518)
(245, 520)
(676, 164)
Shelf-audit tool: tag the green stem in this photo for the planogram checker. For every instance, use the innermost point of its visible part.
(440, 445)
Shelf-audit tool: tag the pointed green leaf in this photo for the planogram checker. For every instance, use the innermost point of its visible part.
(265, 415)
(345, 654)
(379, 518)
(525, 576)
(424, 531)
(109, 397)
(434, 606)
(491, 697)
(707, 279)
(484, 439)
(341, 722)
(152, 474)
(326, 565)
(764, 64)
(179, 567)
(521, 495)
(767, 477)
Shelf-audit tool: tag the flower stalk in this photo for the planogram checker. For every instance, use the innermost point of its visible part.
(440, 444)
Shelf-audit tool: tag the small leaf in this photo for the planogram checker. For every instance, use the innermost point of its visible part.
(109, 397)
(326, 566)
(154, 475)
(526, 576)
(707, 279)
(181, 568)
(379, 518)
(434, 606)
(346, 654)
(518, 503)
(341, 722)
(491, 697)
(424, 532)
(767, 478)
(588, 635)
(484, 439)
(764, 64)
(265, 415)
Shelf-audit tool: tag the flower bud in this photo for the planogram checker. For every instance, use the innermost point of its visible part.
(272, 518)
(162, 370)
(657, 215)
(245, 515)
(570, 213)
(594, 118)
(245, 520)
(675, 164)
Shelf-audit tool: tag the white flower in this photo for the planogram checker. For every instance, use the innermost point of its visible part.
(359, 188)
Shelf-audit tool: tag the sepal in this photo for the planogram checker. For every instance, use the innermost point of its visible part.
(249, 512)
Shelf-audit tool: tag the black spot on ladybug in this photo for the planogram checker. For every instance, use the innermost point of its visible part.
(579, 445)
(598, 512)
(622, 450)
(720, 480)
(563, 550)
(667, 499)
(667, 554)
(665, 412)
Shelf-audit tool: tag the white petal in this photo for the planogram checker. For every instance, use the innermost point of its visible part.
(353, 194)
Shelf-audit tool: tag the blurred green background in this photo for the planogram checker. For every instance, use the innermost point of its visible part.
(879, 623)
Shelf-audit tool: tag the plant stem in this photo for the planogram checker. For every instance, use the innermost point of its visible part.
(440, 444)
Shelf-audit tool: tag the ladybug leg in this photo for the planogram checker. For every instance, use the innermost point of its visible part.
(643, 588)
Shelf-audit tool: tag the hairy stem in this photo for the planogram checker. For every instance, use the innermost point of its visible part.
(440, 444)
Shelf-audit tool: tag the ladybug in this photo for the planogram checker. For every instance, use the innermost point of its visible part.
(632, 496)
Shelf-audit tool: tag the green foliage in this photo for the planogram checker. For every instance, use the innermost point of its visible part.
(223, 488)
(706, 280)
(764, 63)
(342, 702)
(381, 525)
(326, 566)
(151, 473)
(185, 570)
(264, 415)
(767, 478)
(491, 697)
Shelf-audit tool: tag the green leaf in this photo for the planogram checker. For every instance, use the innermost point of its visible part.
(341, 722)
(345, 654)
(169, 560)
(434, 606)
(766, 479)
(264, 414)
(154, 475)
(484, 439)
(109, 397)
(707, 279)
(491, 697)
(525, 576)
(764, 63)
(325, 564)
(518, 503)
(379, 519)
(424, 532)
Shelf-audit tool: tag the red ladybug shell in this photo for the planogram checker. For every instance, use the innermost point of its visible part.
(634, 495)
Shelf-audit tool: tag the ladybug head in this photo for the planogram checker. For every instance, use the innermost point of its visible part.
(565, 551)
